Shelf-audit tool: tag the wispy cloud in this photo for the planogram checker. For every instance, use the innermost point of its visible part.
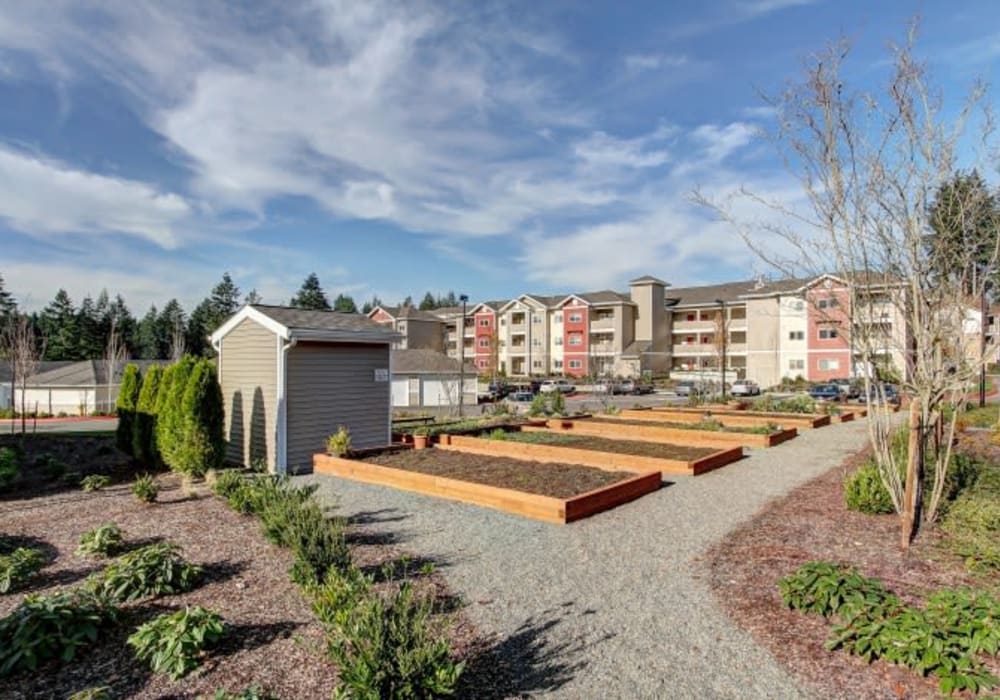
(637, 63)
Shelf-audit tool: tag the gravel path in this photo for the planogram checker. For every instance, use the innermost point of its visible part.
(612, 606)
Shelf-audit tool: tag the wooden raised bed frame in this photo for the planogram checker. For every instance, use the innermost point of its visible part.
(530, 505)
(611, 461)
(664, 433)
(738, 418)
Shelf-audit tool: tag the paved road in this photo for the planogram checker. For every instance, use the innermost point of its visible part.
(614, 606)
(61, 426)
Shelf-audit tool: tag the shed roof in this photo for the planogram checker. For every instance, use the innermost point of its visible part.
(424, 361)
(86, 373)
(732, 291)
(309, 324)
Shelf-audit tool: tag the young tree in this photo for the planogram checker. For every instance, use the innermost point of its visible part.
(202, 444)
(144, 427)
(126, 405)
(23, 349)
(869, 165)
(345, 304)
(170, 423)
(59, 326)
(311, 295)
(115, 354)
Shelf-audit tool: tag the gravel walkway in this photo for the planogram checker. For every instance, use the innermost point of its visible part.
(612, 606)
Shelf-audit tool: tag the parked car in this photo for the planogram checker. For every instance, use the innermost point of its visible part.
(641, 387)
(689, 389)
(499, 390)
(889, 391)
(625, 386)
(744, 387)
(825, 392)
(521, 396)
(561, 385)
(848, 389)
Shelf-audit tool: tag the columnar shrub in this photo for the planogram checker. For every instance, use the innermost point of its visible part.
(170, 416)
(144, 426)
(201, 445)
(128, 399)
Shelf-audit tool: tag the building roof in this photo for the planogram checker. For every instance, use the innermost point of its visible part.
(409, 313)
(605, 296)
(86, 373)
(637, 348)
(732, 291)
(647, 279)
(307, 324)
(43, 366)
(423, 361)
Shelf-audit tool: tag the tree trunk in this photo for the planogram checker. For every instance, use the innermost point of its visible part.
(914, 469)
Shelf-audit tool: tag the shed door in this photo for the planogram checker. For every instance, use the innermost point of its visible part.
(439, 392)
(400, 392)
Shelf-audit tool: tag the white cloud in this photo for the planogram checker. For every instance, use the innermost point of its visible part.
(719, 142)
(43, 197)
(603, 150)
(637, 63)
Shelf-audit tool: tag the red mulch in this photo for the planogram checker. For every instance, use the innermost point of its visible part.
(274, 639)
(812, 523)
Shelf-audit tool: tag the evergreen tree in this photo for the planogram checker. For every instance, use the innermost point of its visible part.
(225, 301)
(172, 329)
(408, 301)
(8, 307)
(428, 302)
(201, 443)
(144, 427)
(200, 325)
(128, 399)
(345, 304)
(252, 297)
(170, 414)
(59, 327)
(90, 339)
(964, 217)
(371, 304)
(121, 319)
(311, 295)
(148, 343)
(450, 300)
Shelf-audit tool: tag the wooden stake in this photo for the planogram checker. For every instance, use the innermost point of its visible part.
(913, 463)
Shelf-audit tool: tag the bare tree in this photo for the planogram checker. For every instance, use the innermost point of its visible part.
(178, 345)
(115, 355)
(23, 350)
(869, 165)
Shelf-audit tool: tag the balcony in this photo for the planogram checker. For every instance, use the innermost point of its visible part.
(602, 323)
(602, 348)
(688, 326)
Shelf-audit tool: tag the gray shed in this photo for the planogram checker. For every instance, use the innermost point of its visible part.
(290, 377)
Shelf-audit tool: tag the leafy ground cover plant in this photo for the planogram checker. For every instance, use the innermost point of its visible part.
(95, 482)
(972, 522)
(826, 588)
(864, 491)
(175, 643)
(339, 443)
(157, 569)
(10, 467)
(104, 540)
(46, 627)
(17, 568)
(145, 489)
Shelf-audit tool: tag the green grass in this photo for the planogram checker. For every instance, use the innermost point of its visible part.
(985, 417)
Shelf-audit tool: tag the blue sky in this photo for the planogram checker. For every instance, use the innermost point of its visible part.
(486, 148)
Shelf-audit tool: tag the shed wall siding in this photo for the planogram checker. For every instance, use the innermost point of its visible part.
(249, 388)
(332, 384)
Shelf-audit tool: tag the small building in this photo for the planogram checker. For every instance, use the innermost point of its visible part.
(430, 378)
(416, 328)
(72, 388)
(291, 377)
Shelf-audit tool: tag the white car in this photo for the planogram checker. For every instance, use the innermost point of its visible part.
(744, 387)
(561, 385)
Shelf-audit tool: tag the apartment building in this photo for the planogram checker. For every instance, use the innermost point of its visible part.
(416, 329)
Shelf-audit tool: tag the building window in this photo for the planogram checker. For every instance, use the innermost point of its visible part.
(575, 364)
(536, 342)
(558, 340)
(798, 305)
(558, 318)
(690, 317)
(828, 333)
(503, 321)
(796, 364)
(557, 364)
(401, 326)
(575, 318)
(796, 335)
(535, 318)
(829, 364)
(484, 342)
(827, 303)
(484, 322)
(537, 364)
(576, 340)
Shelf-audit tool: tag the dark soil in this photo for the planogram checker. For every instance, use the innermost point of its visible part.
(812, 523)
(668, 424)
(545, 479)
(51, 462)
(626, 447)
(273, 638)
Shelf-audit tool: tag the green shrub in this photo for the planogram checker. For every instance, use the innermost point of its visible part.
(18, 567)
(385, 649)
(44, 628)
(104, 540)
(10, 467)
(339, 444)
(558, 403)
(157, 569)
(95, 482)
(144, 426)
(497, 434)
(234, 487)
(864, 491)
(99, 692)
(827, 589)
(174, 643)
(539, 406)
(128, 398)
(170, 419)
(972, 527)
(145, 489)
(336, 598)
(200, 444)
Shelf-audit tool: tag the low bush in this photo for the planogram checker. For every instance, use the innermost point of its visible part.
(339, 444)
(144, 488)
(175, 643)
(864, 491)
(104, 540)
(972, 522)
(557, 404)
(826, 589)
(792, 404)
(48, 627)
(157, 569)
(95, 482)
(385, 648)
(54, 468)
(10, 467)
(539, 406)
(17, 568)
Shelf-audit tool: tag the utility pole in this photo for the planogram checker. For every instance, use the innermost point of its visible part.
(460, 327)
(982, 348)
(724, 325)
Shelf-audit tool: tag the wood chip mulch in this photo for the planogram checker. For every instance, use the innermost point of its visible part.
(661, 450)
(812, 523)
(274, 640)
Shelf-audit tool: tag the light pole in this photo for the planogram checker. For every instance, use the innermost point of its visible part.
(982, 348)
(464, 298)
(722, 303)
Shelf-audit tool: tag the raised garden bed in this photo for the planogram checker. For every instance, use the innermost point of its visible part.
(562, 492)
(729, 417)
(668, 459)
(648, 431)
